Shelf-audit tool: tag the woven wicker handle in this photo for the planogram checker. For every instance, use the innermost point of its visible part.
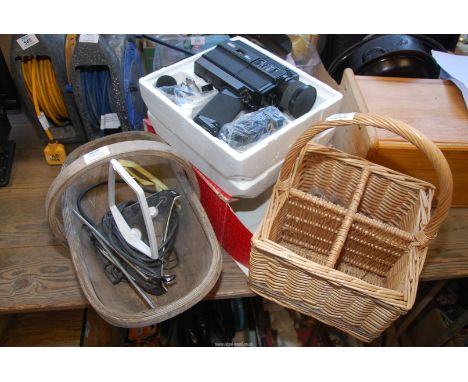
(432, 152)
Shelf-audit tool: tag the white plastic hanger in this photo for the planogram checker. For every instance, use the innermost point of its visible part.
(132, 235)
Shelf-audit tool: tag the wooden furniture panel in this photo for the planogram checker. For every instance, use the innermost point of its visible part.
(436, 108)
(38, 278)
(355, 140)
(448, 253)
(405, 159)
(44, 329)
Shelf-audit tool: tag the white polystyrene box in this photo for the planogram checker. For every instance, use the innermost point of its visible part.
(242, 174)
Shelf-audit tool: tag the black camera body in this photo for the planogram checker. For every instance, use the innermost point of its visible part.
(248, 80)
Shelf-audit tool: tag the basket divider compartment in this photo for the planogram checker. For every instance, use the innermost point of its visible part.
(348, 219)
(326, 176)
(305, 224)
(348, 244)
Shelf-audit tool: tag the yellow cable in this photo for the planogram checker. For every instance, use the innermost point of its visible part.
(55, 95)
(45, 94)
(54, 104)
(48, 102)
(42, 94)
(42, 85)
(32, 69)
(26, 76)
(38, 71)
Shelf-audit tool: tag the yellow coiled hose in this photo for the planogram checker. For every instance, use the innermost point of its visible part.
(42, 85)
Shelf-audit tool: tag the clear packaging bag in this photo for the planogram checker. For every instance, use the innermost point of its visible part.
(251, 128)
(180, 95)
(304, 54)
(188, 94)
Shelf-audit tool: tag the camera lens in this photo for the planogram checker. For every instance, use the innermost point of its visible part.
(298, 98)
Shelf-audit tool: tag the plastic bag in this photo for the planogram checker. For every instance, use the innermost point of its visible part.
(304, 53)
(251, 128)
(165, 56)
(188, 94)
(180, 95)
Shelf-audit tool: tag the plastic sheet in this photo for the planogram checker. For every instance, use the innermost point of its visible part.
(251, 128)
(180, 95)
(304, 54)
(188, 94)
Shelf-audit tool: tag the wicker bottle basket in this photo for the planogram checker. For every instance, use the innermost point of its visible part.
(344, 240)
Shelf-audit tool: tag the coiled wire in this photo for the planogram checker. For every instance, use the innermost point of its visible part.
(97, 89)
(41, 82)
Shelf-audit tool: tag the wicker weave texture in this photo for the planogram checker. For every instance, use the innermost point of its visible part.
(351, 311)
(343, 239)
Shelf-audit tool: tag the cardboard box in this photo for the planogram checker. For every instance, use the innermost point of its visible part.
(434, 107)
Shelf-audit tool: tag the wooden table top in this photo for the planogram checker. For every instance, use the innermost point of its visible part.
(36, 272)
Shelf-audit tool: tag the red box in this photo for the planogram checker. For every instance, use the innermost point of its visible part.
(232, 234)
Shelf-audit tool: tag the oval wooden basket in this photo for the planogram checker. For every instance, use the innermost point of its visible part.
(55, 193)
(200, 258)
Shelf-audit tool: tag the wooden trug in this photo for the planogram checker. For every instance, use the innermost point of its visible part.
(200, 257)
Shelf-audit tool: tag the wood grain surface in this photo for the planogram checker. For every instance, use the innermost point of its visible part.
(436, 108)
(36, 272)
(38, 278)
(355, 140)
(448, 253)
(44, 329)
(407, 160)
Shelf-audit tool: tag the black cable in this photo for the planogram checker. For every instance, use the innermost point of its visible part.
(145, 271)
(108, 221)
(162, 42)
(111, 231)
(174, 259)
